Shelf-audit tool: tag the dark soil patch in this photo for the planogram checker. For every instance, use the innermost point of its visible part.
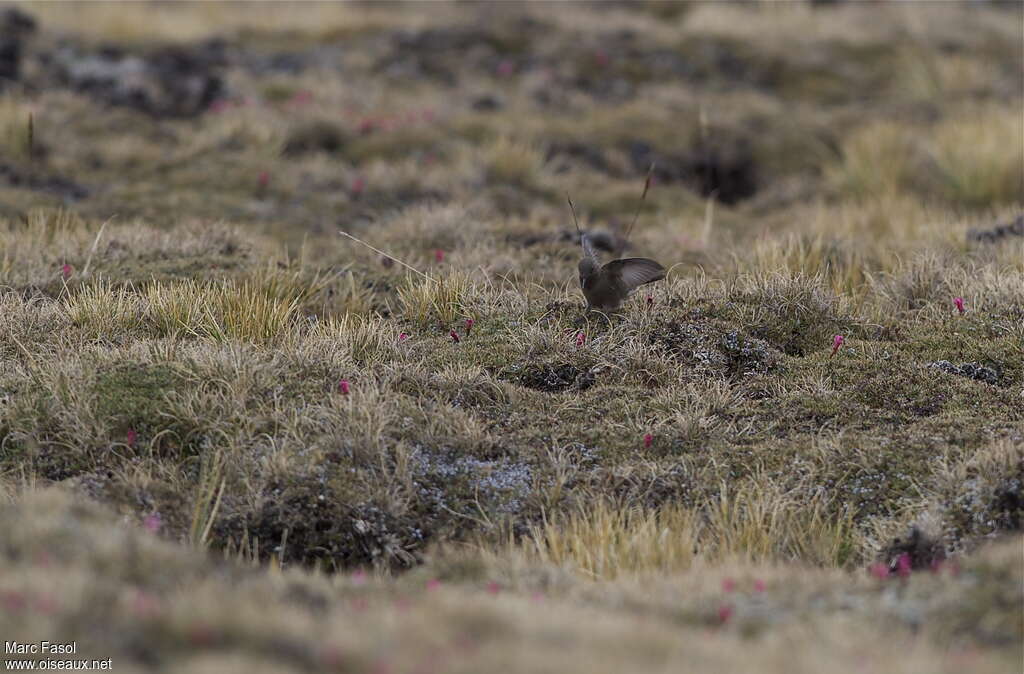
(306, 522)
(60, 186)
(554, 377)
(746, 355)
(175, 81)
(15, 25)
(607, 242)
(923, 551)
(315, 136)
(997, 233)
(724, 168)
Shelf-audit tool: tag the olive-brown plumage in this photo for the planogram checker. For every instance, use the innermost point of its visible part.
(607, 286)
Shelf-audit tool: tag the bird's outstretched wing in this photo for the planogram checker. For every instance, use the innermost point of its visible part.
(636, 271)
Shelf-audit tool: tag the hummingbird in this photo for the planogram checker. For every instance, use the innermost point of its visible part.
(607, 286)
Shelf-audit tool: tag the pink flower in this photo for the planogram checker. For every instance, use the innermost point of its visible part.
(837, 343)
(903, 565)
(359, 577)
(201, 634)
(331, 657)
(65, 271)
(493, 587)
(130, 437)
(360, 604)
(45, 604)
(343, 387)
(759, 585)
(358, 185)
(724, 613)
(506, 67)
(402, 337)
(959, 302)
(537, 595)
(581, 339)
(454, 336)
(264, 179)
(439, 256)
(936, 566)
(220, 105)
(648, 439)
(879, 570)
(433, 584)
(144, 605)
(366, 126)
(469, 326)
(302, 97)
(152, 522)
(728, 585)
(13, 601)
(601, 58)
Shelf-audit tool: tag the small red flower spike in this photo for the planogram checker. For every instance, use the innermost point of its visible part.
(601, 58)
(302, 97)
(358, 577)
(837, 343)
(581, 339)
(455, 336)
(724, 613)
(469, 326)
(65, 271)
(728, 585)
(439, 256)
(402, 337)
(759, 585)
(879, 570)
(959, 302)
(343, 387)
(358, 185)
(130, 437)
(433, 584)
(648, 439)
(493, 588)
(264, 179)
(903, 565)
(506, 68)
(152, 523)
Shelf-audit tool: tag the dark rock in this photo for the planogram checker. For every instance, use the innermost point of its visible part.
(487, 103)
(970, 370)
(997, 233)
(52, 184)
(14, 26)
(725, 170)
(551, 378)
(170, 82)
(315, 136)
(746, 356)
(924, 552)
